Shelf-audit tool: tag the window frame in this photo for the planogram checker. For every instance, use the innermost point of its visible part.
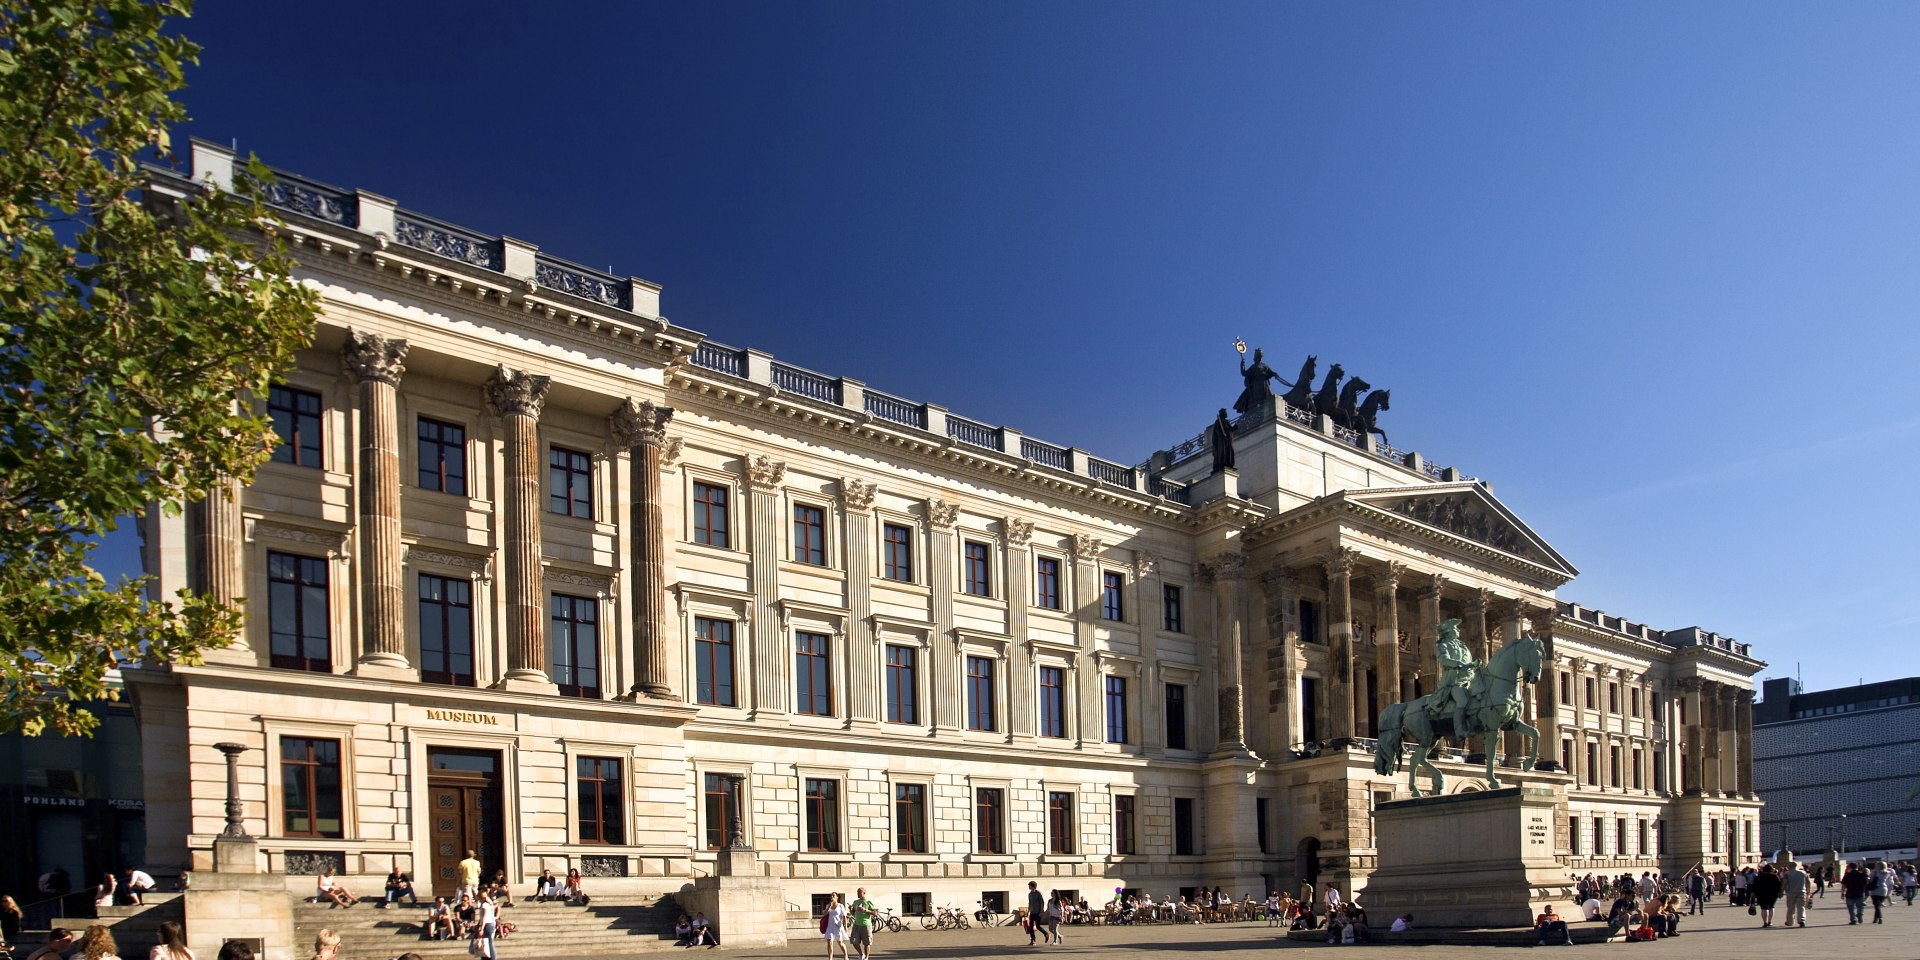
(609, 800)
(567, 492)
(303, 643)
(312, 769)
(1114, 689)
(1047, 592)
(1061, 836)
(813, 664)
(911, 813)
(990, 821)
(808, 535)
(575, 603)
(975, 684)
(1051, 709)
(828, 835)
(901, 686)
(1113, 596)
(1168, 714)
(707, 659)
(982, 584)
(1126, 836)
(1185, 833)
(729, 799)
(422, 605)
(1173, 607)
(701, 513)
(300, 454)
(896, 555)
(440, 448)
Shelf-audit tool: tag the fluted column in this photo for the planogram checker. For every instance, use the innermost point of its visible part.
(1547, 697)
(516, 397)
(945, 663)
(217, 558)
(1729, 742)
(1087, 551)
(378, 362)
(1016, 535)
(1743, 731)
(1386, 645)
(641, 427)
(1339, 566)
(1431, 586)
(1477, 604)
(1693, 756)
(772, 661)
(1227, 574)
(863, 648)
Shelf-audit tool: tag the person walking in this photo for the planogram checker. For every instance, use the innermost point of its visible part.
(1794, 885)
(1877, 887)
(1055, 911)
(1853, 889)
(1763, 891)
(833, 925)
(1908, 881)
(489, 921)
(1036, 909)
(866, 916)
(1696, 891)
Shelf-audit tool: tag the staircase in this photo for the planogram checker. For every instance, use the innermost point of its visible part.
(136, 929)
(609, 926)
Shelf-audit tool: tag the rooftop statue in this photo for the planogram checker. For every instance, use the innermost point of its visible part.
(1474, 699)
(1328, 399)
(1256, 397)
(1301, 396)
(1220, 437)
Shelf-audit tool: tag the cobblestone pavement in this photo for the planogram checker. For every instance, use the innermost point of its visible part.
(1723, 931)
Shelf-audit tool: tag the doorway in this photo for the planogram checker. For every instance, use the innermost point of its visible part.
(463, 802)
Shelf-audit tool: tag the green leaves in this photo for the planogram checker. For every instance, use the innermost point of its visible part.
(128, 327)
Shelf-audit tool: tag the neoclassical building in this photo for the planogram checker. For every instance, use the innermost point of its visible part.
(537, 573)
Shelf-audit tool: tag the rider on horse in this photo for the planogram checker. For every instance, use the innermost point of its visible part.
(1458, 669)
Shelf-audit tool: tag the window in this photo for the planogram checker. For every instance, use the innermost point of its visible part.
(710, 516)
(1176, 616)
(903, 684)
(897, 545)
(1116, 709)
(722, 799)
(570, 483)
(1309, 710)
(1113, 591)
(1638, 757)
(296, 421)
(1573, 834)
(823, 816)
(1046, 585)
(310, 784)
(301, 633)
(916, 904)
(713, 661)
(1592, 697)
(1176, 716)
(1053, 702)
(1183, 827)
(597, 781)
(1659, 772)
(1593, 764)
(1633, 701)
(1059, 822)
(1660, 836)
(1640, 831)
(1620, 837)
(1260, 809)
(809, 535)
(443, 456)
(1713, 832)
(1566, 756)
(446, 630)
(574, 646)
(1309, 622)
(812, 670)
(1613, 698)
(1125, 841)
(1613, 766)
(1600, 836)
(989, 817)
(978, 569)
(910, 818)
(1566, 690)
(980, 711)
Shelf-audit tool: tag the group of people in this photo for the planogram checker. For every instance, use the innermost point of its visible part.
(850, 924)
(696, 931)
(1648, 907)
(96, 943)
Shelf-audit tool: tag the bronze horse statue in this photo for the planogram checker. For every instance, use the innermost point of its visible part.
(1495, 702)
(1370, 408)
(1348, 409)
(1301, 396)
(1328, 399)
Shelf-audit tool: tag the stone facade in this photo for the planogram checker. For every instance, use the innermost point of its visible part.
(556, 577)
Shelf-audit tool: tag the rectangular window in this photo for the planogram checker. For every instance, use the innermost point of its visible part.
(1713, 832)
(1260, 809)
(1059, 822)
(813, 673)
(1566, 756)
(1600, 836)
(1310, 622)
(574, 646)
(978, 563)
(1640, 832)
(1566, 690)
(710, 525)
(1591, 698)
(713, 661)
(570, 483)
(989, 818)
(1613, 698)
(1176, 616)
(1113, 592)
(1633, 701)
(1176, 716)
(296, 421)
(1183, 826)
(597, 781)
(300, 627)
(903, 684)
(1125, 840)
(823, 816)
(721, 796)
(1660, 837)
(310, 787)
(1593, 764)
(1046, 584)
(1620, 837)
(443, 457)
(1309, 710)
(1053, 702)
(1116, 709)
(910, 818)
(446, 630)
(980, 706)
(1659, 772)
(897, 545)
(809, 535)
(1613, 766)
(1638, 758)
(1573, 834)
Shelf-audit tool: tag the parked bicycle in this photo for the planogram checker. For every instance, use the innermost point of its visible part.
(893, 924)
(946, 918)
(987, 917)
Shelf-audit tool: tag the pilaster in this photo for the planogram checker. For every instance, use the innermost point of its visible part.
(863, 651)
(1386, 647)
(1086, 580)
(944, 659)
(220, 533)
(1227, 574)
(1018, 534)
(771, 662)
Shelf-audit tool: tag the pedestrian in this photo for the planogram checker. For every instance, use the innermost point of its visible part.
(1763, 891)
(1853, 889)
(833, 925)
(1055, 910)
(11, 917)
(1696, 891)
(1877, 887)
(1794, 884)
(1036, 908)
(489, 927)
(1908, 881)
(866, 916)
(469, 885)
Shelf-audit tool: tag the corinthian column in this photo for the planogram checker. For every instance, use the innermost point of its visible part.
(378, 363)
(1339, 565)
(770, 646)
(1431, 587)
(1227, 572)
(516, 397)
(217, 558)
(1386, 653)
(641, 427)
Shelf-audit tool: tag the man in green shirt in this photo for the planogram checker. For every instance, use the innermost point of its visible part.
(865, 912)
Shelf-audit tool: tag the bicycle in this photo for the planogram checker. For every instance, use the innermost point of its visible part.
(988, 917)
(893, 924)
(950, 919)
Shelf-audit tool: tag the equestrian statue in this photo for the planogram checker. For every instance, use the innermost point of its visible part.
(1474, 699)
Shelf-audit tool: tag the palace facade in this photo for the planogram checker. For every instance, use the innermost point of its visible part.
(539, 574)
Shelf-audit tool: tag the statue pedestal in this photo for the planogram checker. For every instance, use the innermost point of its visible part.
(1470, 860)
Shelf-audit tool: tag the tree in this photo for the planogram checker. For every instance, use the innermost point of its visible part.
(131, 334)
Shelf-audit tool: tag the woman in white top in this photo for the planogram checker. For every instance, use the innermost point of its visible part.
(489, 919)
(104, 891)
(326, 888)
(834, 926)
(173, 943)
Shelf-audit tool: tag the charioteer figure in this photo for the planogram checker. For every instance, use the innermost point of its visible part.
(1457, 669)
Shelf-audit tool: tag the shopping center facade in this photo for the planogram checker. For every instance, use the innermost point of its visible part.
(540, 574)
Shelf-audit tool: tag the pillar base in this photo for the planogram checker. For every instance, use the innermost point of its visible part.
(527, 681)
(385, 666)
(236, 856)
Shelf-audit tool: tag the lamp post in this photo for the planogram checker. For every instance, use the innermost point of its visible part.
(235, 829)
(1843, 838)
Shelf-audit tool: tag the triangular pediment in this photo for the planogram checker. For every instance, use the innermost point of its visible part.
(1466, 510)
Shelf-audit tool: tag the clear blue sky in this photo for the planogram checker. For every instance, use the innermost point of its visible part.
(1650, 269)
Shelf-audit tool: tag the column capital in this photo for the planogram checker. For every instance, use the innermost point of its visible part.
(1086, 546)
(1432, 585)
(764, 472)
(1224, 566)
(856, 496)
(1277, 581)
(517, 393)
(370, 356)
(1478, 601)
(1339, 561)
(942, 513)
(640, 423)
(1017, 532)
(1144, 564)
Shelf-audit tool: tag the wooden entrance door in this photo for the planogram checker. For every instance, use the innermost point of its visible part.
(463, 803)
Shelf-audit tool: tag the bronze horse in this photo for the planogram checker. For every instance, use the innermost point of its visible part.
(1301, 396)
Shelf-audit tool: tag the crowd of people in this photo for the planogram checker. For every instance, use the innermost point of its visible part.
(1649, 906)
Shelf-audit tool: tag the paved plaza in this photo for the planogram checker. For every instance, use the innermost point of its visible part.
(1723, 931)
